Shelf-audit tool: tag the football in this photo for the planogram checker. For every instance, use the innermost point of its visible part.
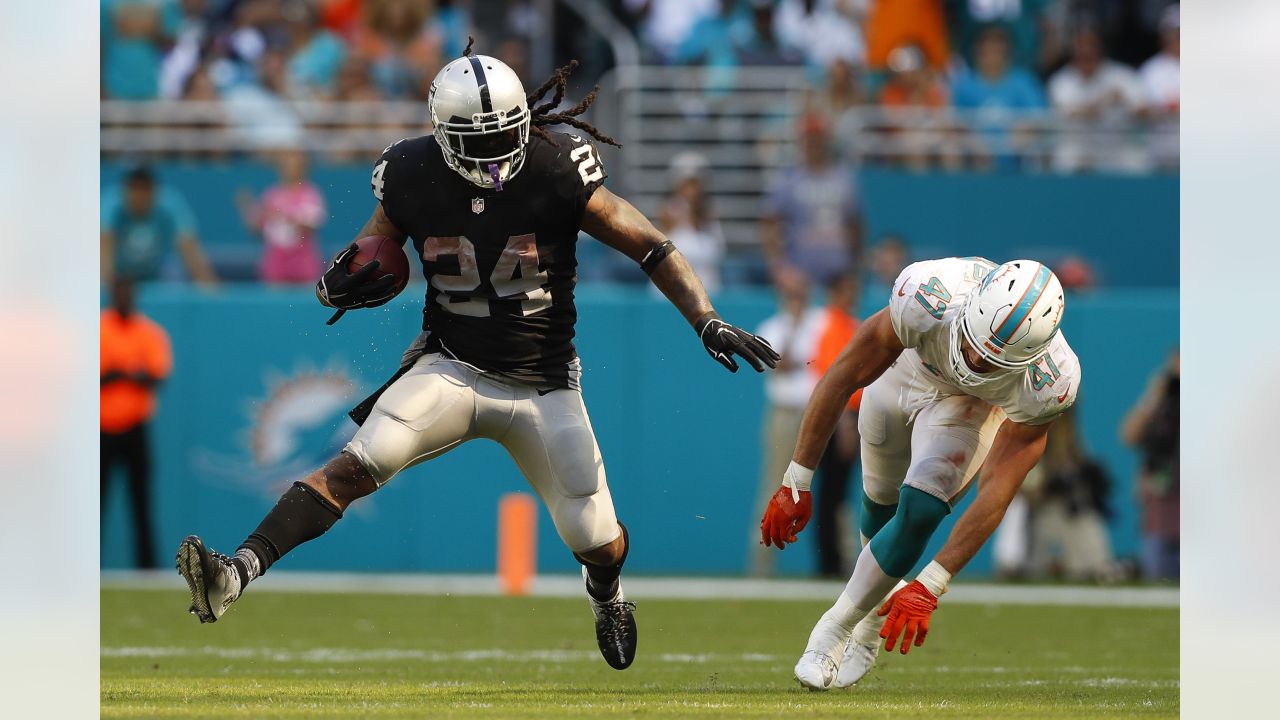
(390, 256)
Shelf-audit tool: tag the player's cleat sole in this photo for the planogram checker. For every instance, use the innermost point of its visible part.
(213, 583)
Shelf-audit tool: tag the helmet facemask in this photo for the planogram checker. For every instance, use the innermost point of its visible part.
(962, 333)
(489, 149)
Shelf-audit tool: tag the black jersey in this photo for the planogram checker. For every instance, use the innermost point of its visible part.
(500, 264)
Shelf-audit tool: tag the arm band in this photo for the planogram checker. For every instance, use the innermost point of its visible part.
(654, 257)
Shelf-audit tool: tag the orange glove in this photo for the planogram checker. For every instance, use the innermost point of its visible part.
(785, 516)
(909, 608)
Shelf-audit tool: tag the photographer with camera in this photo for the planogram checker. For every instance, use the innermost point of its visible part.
(1151, 427)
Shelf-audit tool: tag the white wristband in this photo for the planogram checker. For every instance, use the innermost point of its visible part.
(799, 478)
(935, 578)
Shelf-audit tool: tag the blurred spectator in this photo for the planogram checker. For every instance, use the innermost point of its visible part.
(758, 43)
(887, 260)
(1160, 78)
(1069, 520)
(141, 224)
(997, 92)
(199, 87)
(687, 219)
(1160, 74)
(341, 16)
(1152, 428)
(355, 82)
(1131, 27)
(452, 23)
(134, 359)
(664, 24)
(1100, 98)
(919, 138)
(187, 54)
(820, 31)
(1021, 22)
(401, 52)
(314, 53)
(259, 106)
(835, 467)
(842, 99)
(793, 332)
(288, 216)
(710, 41)
(842, 90)
(134, 34)
(891, 24)
(911, 82)
(994, 83)
(812, 220)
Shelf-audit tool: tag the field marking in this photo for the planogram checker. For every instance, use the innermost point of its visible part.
(340, 656)
(640, 588)
(353, 655)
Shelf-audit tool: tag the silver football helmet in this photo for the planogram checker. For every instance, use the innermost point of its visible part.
(481, 119)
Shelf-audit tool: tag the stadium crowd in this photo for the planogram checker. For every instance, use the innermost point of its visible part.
(1099, 66)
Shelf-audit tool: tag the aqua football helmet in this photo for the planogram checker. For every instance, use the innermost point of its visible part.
(481, 119)
(1009, 319)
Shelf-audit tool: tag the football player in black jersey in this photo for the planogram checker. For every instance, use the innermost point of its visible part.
(493, 203)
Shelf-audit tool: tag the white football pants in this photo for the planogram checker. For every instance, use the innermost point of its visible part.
(938, 451)
(441, 403)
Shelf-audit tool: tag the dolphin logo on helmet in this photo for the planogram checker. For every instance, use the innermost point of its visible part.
(1009, 319)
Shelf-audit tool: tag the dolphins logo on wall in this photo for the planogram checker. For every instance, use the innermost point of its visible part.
(294, 427)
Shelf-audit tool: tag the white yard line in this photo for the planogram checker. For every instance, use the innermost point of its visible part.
(641, 588)
(352, 655)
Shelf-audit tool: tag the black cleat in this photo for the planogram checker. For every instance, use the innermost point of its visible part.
(211, 577)
(615, 629)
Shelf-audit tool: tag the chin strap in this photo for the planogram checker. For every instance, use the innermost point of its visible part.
(497, 180)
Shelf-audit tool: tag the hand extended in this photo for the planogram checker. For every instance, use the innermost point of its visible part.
(788, 512)
(908, 609)
(723, 341)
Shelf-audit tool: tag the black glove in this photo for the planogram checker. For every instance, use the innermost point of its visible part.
(346, 290)
(723, 341)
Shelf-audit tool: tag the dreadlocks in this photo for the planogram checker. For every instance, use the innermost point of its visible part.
(541, 114)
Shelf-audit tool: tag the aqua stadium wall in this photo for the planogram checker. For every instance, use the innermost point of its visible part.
(1125, 227)
(261, 386)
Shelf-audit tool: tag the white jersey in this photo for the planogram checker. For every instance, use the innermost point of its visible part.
(924, 302)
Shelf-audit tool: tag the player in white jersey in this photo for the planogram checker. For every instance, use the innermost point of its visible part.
(965, 369)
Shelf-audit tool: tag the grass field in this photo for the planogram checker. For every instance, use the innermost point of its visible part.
(296, 655)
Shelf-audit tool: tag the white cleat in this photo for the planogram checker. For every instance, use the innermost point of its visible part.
(817, 667)
(816, 670)
(858, 660)
(211, 577)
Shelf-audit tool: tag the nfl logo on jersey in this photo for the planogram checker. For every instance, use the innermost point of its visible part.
(477, 205)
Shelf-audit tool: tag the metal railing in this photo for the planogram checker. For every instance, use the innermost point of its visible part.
(743, 124)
